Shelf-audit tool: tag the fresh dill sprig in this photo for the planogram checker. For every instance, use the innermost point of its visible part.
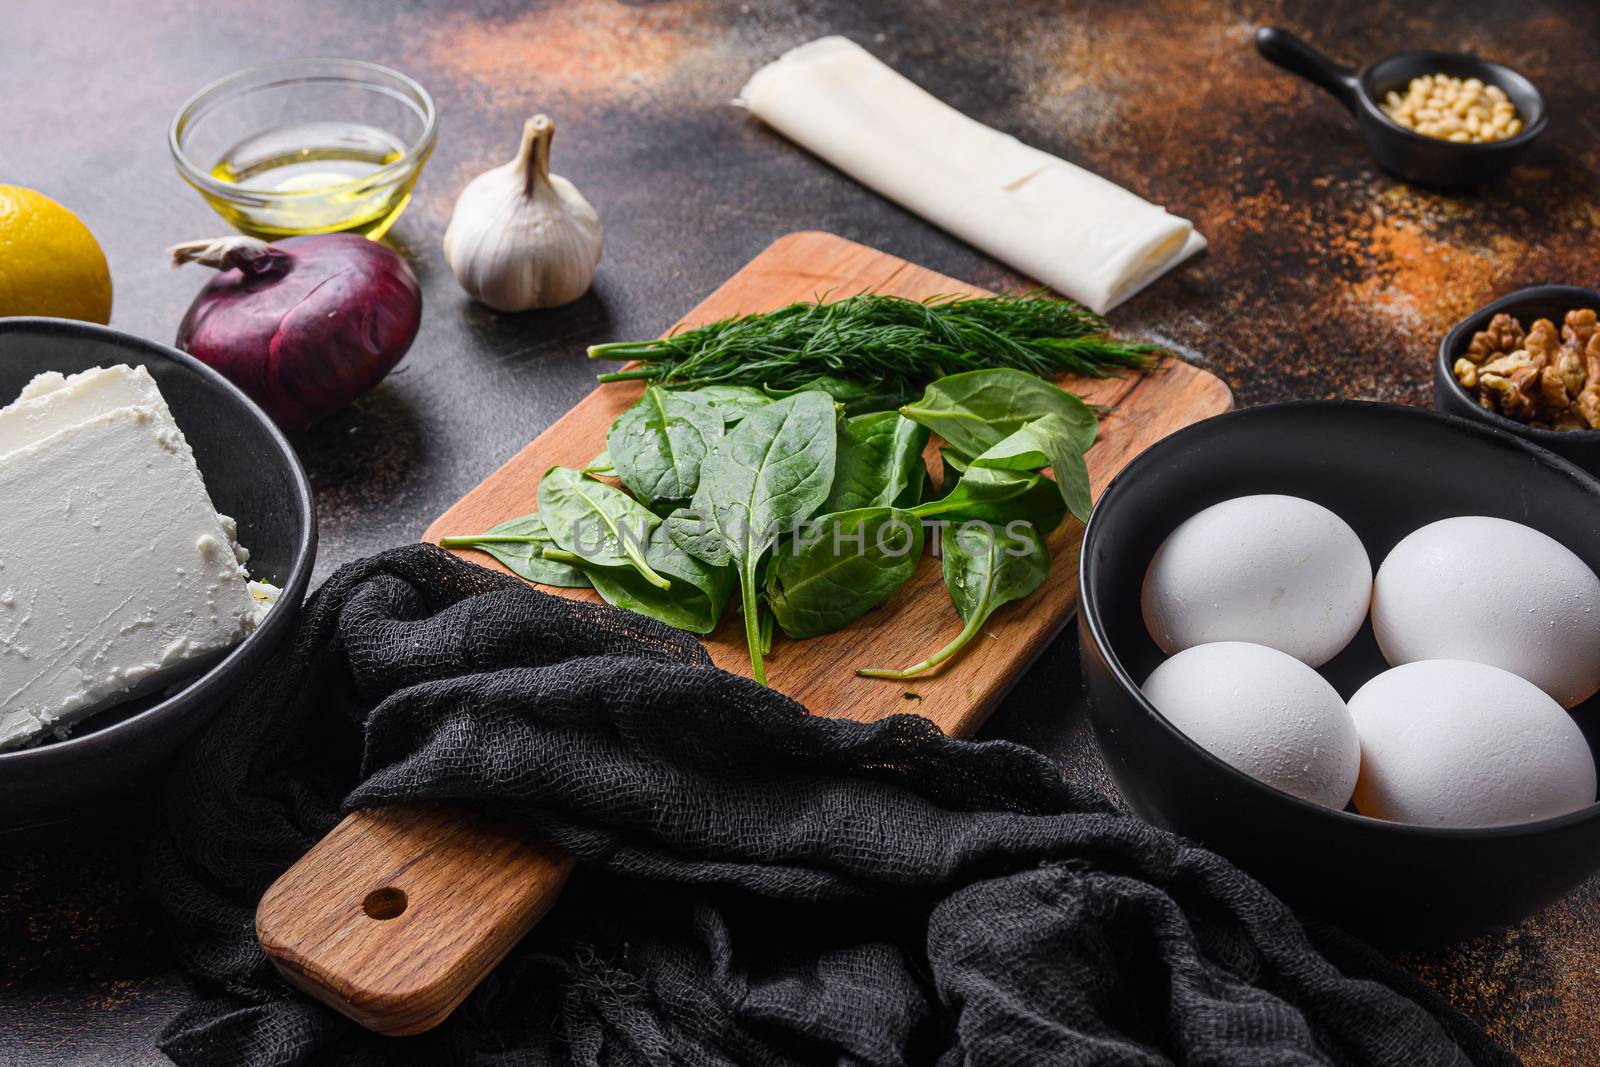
(893, 343)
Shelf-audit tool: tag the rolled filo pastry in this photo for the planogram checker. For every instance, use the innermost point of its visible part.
(1083, 236)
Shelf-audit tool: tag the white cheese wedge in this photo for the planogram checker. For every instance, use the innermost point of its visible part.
(1081, 235)
(117, 575)
(51, 402)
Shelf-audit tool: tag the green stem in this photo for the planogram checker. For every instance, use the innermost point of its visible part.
(644, 373)
(966, 634)
(561, 555)
(623, 350)
(752, 619)
(630, 548)
(648, 572)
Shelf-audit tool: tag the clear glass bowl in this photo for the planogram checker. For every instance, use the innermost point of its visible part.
(306, 146)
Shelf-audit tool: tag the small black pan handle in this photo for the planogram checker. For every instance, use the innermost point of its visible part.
(1296, 56)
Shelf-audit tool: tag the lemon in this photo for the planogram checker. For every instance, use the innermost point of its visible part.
(50, 264)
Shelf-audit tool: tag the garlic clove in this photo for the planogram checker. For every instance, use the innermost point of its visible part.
(521, 237)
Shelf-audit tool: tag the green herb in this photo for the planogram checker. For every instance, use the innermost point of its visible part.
(693, 600)
(855, 397)
(732, 402)
(755, 469)
(858, 560)
(984, 568)
(879, 463)
(773, 470)
(519, 544)
(657, 445)
(896, 345)
(1046, 442)
(998, 496)
(975, 411)
(596, 522)
(695, 534)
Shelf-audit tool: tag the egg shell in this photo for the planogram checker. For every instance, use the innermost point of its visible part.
(1496, 592)
(1264, 712)
(1269, 570)
(1455, 743)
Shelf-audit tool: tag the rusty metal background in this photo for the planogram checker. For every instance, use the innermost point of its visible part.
(1324, 278)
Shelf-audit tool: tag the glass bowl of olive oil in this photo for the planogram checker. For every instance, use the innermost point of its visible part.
(306, 146)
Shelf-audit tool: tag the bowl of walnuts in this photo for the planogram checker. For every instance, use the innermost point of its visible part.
(1529, 363)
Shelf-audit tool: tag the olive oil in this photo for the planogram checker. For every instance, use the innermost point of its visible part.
(315, 177)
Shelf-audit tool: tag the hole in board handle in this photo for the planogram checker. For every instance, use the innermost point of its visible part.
(386, 903)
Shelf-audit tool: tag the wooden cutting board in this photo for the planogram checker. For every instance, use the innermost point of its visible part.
(400, 912)
(820, 672)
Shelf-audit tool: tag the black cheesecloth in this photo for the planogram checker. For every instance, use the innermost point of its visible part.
(755, 885)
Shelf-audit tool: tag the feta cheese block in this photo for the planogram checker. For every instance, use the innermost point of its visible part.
(117, 575)
(53, 402)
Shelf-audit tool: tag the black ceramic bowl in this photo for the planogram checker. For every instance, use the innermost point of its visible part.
(1525, 305)
(1386, 470)
(251, 473)
(1414, 156)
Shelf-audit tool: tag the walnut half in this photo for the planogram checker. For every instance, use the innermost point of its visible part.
(1503, 336)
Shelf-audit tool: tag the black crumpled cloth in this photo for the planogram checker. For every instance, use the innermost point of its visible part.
(756, 885)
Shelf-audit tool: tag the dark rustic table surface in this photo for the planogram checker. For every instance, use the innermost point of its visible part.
(1324, 278)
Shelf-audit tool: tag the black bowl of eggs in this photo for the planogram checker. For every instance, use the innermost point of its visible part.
(1355, 648)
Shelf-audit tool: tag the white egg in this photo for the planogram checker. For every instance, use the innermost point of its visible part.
(1453, 743)
(1271, 570)
(1264, 712)
(1496, 592)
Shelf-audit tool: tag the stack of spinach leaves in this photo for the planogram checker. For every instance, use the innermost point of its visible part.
(813, 516)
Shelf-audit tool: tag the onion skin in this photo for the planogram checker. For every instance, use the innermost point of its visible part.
(305, 325)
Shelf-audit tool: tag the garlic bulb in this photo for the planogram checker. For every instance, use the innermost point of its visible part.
(521, 237)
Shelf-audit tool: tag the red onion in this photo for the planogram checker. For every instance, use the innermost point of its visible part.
(303, 326)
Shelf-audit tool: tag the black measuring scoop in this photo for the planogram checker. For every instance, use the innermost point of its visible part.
(1414, 156)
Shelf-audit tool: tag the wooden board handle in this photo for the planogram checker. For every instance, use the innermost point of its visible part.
(398, 914)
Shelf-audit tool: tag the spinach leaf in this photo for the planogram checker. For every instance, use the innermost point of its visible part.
(984, 568)
(976, 410)
(519, 544)
(732, 402)
(771, 471)
(954, 460)
(1046, 442)
(657, 445)
(852, 562)
(879, 463)
(600, 465)
(596, 522)
(856, 396)
(697, 535)
(693, 600)
(986, 494)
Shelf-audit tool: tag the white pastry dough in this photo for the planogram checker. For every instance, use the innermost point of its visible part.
(1078, 233)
